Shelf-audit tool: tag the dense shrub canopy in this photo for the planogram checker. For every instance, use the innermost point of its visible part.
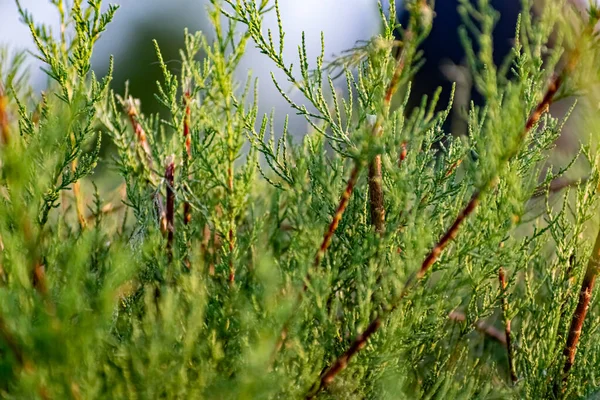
(380, 256)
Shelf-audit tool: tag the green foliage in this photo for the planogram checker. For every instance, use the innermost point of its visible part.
(181, 282)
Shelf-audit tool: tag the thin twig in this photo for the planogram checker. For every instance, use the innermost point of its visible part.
(558, 185)
(78, 197)
(131, 106)
(187, 209)
(481, 326)
(170, 181)
(585, 296)
(376, 198)
(337, 217)
(509, 349)
(230, 182)
(4, 125)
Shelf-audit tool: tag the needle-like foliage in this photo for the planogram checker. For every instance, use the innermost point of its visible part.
(376, 256)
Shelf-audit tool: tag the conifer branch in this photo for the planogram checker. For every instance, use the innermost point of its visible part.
(376, 199)
(327, 237)
(360, 341)
(509, 347)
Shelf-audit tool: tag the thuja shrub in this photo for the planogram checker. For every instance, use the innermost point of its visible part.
(378, 256)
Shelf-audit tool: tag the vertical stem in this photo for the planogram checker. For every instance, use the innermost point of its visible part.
(585, 296)
(78, 198)
(187, 155)
(132, 113)
(4, 127)
(376, 198)
(187, 209)
(337, 217)
(509, 347)
(170, 215)
(130, 104)
(230, 178)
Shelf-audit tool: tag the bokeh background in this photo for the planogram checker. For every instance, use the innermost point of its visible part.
(129, 39)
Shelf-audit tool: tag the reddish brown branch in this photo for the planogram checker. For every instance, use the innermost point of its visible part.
(342, 362)
(132, 112)
(39, 278)
(231, 239)
(376, 198)
(585, 296)
(4, 125)
(187, 123)
(337, 217)
(558, 185)
(449, 235)
(131, 108)
(481, 326)
(327, 237)
(187, 209)
(403, 153)
(509, 349)
(170, 216)
(79, 206)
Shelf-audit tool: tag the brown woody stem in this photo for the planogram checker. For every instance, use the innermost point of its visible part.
(4, 126)
(79, 207)
(509, 348)
(337, 217)
(170, 216)
(481, 326)
(585, 297)
(187, 209)
(132, 113)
